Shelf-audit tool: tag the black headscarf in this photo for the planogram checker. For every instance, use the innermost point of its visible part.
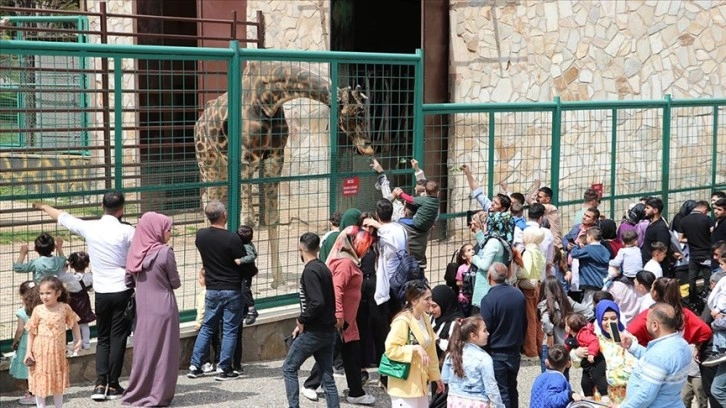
(445, 297)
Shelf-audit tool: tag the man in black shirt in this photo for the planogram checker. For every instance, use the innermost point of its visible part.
(718, 233)
(314, 334)
(657, 231)
(696, 229)
(219, 248)
(504, 311)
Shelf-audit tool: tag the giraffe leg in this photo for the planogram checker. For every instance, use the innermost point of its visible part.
(249, 166)
(273, 168)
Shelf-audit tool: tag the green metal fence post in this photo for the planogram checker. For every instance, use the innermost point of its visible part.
(613, 161)
(118, 122)
(666, 167)
(491, 152)
(556, 135)
(418, 122)
(333, 187)
(714, 148)
(234, 145)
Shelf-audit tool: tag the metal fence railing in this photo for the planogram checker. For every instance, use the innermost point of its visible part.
(163, 118)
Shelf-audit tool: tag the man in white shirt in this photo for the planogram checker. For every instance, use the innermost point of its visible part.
(108, 241)
(535, 216)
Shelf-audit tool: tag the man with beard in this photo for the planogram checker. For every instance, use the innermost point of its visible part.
(658, 376)
(657, 231)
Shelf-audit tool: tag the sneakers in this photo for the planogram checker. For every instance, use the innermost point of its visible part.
(226, 375)
(238, 370)
(194, 372)
(309, 394)
(715, 360)
(207, 368)
(99, 393)
(251, 318)
(114, 392)
(28, 399)
(365, 399)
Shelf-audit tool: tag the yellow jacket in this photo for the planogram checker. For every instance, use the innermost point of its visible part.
(398, 349)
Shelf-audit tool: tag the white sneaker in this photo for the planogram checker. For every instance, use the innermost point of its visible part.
(365, 399)
(207, 368)
(28, 399)
(309, 394)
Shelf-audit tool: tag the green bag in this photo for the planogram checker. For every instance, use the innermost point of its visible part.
(395, 369)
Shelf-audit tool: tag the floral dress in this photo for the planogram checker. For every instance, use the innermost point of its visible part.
(50, 373)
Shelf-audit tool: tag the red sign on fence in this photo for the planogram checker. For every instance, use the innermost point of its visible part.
(597, 187)
(350, 186)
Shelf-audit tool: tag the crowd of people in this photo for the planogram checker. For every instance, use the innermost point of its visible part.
(621, 301)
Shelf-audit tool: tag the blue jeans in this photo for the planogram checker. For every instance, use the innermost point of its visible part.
(506, 369)
(543, 357)
(227, 306)
(320, 345)
(718, 386)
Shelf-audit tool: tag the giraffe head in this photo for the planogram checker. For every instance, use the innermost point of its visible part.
(353, 118)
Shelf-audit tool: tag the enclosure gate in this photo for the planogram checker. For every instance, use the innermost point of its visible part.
(673, 149)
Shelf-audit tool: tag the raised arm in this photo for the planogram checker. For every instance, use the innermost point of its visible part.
(476, 190)
(53, 213)
(531, 196)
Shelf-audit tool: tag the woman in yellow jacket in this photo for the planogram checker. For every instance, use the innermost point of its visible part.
(412, 340)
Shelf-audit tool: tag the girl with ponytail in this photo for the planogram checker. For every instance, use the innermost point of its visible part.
(471, 380)
(667, 290)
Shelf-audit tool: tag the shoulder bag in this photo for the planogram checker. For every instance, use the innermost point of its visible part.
(395, 369)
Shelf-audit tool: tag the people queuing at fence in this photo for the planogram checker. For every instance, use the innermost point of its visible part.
(531, 290)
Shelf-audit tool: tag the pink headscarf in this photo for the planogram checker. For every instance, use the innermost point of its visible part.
(148, 238)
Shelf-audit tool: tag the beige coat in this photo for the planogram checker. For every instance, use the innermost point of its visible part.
(397, 349)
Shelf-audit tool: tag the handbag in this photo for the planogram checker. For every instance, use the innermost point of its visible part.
(130, 310)
(392, 368)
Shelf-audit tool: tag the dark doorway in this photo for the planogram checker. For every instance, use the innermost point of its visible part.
(167, 98)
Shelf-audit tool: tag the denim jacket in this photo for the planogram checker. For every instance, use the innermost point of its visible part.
(478, 382)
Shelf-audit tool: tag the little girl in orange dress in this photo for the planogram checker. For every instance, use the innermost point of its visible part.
(46, 354)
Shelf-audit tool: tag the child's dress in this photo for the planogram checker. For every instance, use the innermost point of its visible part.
(18, 369)
(50, 373)
(79, 300)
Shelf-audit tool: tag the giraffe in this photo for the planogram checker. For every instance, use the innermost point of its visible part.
(266, 86)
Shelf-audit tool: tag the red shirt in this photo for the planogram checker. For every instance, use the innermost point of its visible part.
(586, 337)
(695, 330)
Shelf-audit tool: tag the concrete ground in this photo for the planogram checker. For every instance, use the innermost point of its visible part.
(262, 386)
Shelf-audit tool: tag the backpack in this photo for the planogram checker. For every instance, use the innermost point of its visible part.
(467, 288)
(408, 270)
(451, 269)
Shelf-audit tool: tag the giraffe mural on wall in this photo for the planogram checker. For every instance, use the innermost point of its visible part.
(266, 86)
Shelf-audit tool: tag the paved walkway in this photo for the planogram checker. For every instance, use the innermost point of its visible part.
(262, 386)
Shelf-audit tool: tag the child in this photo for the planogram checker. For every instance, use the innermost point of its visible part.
(78, 283)
(207, 366)
(581, 333)
(471, 380)
(249, 270)
(628, 261)
(717, 304)
(46, 354)
(551, 389)
(657, 255)
(643, 284)
(463, 258)
(427, 207)
(46, 264)
(593, 262)
(29, 296)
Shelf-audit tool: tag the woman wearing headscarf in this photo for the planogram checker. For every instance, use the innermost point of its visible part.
(610, 237)
(528, 282)
(632, 222)
(344, 260)
(487, 228)
(152, 265)
(619, 361)
(349, 218)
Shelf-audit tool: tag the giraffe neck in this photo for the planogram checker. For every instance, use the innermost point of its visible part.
(280, 83)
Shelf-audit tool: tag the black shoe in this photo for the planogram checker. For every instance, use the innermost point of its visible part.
(238, 370)
(194, 372)
(226, 375)
(251, 318)
(114, 392)
(99, 393)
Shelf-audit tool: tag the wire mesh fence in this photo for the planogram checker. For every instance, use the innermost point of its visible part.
(285, 138)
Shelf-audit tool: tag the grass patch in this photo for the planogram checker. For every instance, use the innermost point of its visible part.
(191, 229)
(27, 237)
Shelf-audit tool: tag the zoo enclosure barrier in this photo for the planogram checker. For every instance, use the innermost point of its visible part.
(153, 160)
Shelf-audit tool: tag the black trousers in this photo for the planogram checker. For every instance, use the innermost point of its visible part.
(593, 376)
(247, 291)
(113, 330)
(373, 326)
(696, 270)
(351, 365)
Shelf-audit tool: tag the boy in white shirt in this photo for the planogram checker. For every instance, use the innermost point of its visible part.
(658, 254)
(628, 261)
